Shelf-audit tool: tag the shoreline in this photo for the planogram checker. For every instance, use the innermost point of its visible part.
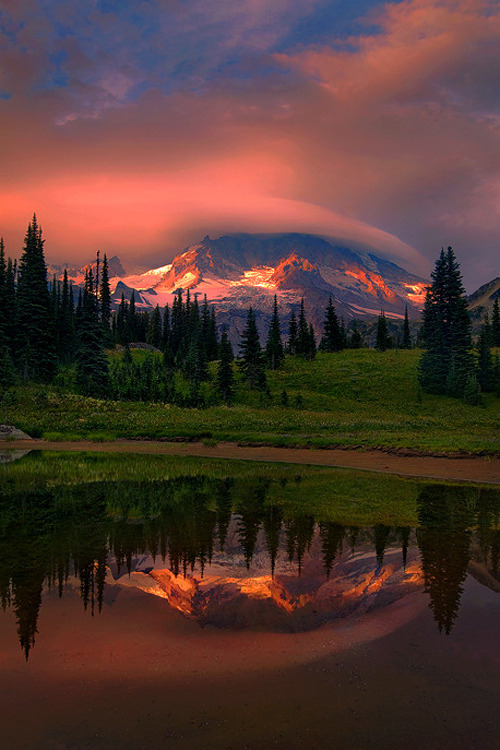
(483, 470)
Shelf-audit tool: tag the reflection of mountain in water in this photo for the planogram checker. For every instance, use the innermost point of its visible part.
(223, 552)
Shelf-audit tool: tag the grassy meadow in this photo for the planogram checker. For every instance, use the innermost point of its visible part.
(354, 398)
(329, 494)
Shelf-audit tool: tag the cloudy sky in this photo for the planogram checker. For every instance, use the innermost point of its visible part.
(136, 127)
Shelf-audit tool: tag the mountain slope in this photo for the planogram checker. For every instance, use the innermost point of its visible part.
(239, 270)
(482, 300)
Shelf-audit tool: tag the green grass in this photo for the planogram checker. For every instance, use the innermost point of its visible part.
(361, 399)
(335, 495)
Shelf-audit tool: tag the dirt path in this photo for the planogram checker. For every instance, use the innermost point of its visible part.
(467, 469)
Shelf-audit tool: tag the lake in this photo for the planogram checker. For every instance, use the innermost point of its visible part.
(159, 602)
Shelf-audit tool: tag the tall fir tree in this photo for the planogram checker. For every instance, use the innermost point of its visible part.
(332, 340)
(292, 334)
(495, 323)
(251, 356)
(105, 300)
(66, 323)
(5, 313)
(303, 332)
(485, 366)
(35, 329)
(92, 372)
(274, 345)
(10, 294)
(225, 374)
(154, 333)
(406, 341)
(7, 372)
(382, 337)
(447, 360)
(311, 348)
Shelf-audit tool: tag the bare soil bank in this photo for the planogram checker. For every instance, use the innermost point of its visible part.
(456, 468)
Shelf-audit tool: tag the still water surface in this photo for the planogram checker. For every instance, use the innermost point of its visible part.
(215, 605)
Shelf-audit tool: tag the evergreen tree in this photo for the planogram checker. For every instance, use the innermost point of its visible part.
(131, 321)
(225, 375)
(303, 341)
(356, 339)
(154, 334)
(105, 299)
(92, 373)
(66, 323)
(311, 348)
(121, 321)
(5, 313)
(292, 335)
(472, 390)
(485, 367)
(382, 339)
(252, 360)
(274, 346)
(35, 332)
(445, 365)
(406, 342)
(10, 304)
(495, 323)
(332, 340)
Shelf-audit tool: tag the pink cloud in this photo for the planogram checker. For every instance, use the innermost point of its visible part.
(392, 133)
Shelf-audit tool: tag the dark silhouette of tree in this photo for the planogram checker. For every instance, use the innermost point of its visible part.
(303, 342)
(105, 300)
(332, 539)
(382, 341)
(272, 522)
(485, 367)
(381, 534)
(154, 334)
(249, 517)
(356, 339)
(92, 371)
(406, 340)
(299, 532)
(225, 374)
(446, 516)
(404, 533)
(274, 346)
(495, 323)
(447, 360)
(251, 356)
(293, 333)
(35, 328)
(332, 340)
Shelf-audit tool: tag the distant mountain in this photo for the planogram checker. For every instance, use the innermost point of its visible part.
(77, 275)
(243, 269)
(482, 300)
(240, 270)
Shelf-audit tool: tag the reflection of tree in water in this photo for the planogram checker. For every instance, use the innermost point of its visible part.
(272, 522)
(404, 533)
(52, 534)
(299, 535)
(446, 515)
(332, 539)
(249, 509)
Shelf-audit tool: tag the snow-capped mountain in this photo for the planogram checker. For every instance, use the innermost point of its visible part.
(240, 270)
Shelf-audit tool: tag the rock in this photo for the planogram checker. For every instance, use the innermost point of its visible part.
(9, 432)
